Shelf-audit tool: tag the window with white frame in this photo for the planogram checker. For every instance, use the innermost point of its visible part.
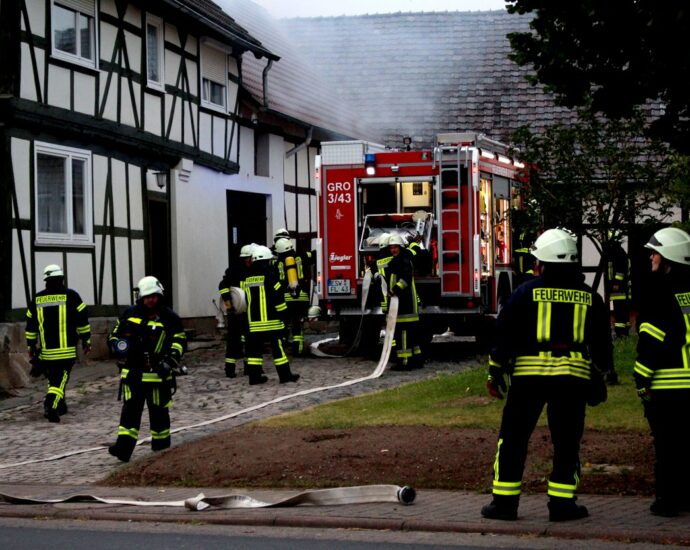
(63, 194)
(74, 30)
(214, 76)
(154, 51)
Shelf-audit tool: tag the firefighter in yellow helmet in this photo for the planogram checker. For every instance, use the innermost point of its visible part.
(266, 311)
(400, 283)
(553, 339)
(662, 368)
(55, 321)
(292, 271)
(150, 341)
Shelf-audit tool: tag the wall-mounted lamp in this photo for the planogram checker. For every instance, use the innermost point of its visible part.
(161, 179)
(254, 118)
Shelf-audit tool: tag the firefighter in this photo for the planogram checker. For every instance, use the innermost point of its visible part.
(400, 283)
(421, 257)
(281, 233)
(150, 341)
(55, 320)
(662, 368)
(552, 339)
(523, 261)
(236, 323)
(295, 286)
(378, 269)
(266, 311)
(618, 286)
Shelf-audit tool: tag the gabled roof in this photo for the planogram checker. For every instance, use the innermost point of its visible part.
(294, 89)
(419, 74)
(212, 15)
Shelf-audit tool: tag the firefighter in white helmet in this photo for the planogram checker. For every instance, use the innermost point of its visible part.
(400, 282)
(266, 311)
(149, 341)
(553, 339)
(56, 320)
(236, 321)
(662, 368)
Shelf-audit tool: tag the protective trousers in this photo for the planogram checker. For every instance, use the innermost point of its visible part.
(406, 343)
(565, 400)
(58, 373)
(664, 411)
(621, 314)
(297, 310)
(158, 398)
(255, 355)
(236, 326)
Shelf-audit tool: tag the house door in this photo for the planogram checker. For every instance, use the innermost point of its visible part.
(159, 245)
(246, 220)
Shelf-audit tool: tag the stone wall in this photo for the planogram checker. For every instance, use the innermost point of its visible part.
(14, 360)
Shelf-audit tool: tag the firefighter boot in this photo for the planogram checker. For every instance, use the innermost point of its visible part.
(230, 370)
(502, 507)
(256, 375)
(565, 509)
(119, 453)
(664, 507)
(285, 375)
(50, 413)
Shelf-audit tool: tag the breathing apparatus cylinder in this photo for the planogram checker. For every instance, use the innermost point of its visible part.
(291, 273)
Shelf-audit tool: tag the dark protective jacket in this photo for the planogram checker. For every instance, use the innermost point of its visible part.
(234, 276)
(663, 348)
(552, 326)
(148, 341)
(266, 307)
(618, 272)
(55, 320)
(400, 280)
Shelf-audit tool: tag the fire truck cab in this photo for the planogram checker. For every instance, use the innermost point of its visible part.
(454, 200)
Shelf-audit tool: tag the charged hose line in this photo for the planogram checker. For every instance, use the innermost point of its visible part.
(378, 371)
(316, 497)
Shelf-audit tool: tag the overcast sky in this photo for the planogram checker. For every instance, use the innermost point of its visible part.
(315, 8)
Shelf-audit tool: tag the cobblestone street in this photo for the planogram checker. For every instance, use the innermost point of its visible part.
(204, 395)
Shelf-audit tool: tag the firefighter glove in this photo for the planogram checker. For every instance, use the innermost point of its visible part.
(644, 394)
(596, 390)
(164, 369)
(496, 386)
(36, 367)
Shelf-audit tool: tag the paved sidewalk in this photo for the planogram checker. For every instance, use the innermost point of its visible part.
(625, 519)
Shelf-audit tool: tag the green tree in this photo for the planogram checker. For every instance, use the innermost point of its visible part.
(598, 177)
(615, 55)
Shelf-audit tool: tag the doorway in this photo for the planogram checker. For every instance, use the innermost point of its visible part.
(247, 220)
(159, 245)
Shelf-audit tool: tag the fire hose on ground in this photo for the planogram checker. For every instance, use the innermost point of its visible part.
(339, 495)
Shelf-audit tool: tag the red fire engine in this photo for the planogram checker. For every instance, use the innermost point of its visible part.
(454, 199)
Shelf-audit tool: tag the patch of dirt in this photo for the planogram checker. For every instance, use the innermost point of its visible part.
(423, 457)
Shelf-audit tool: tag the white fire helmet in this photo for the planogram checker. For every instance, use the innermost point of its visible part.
(52, 270)
(555, 246)
(149, 285)
(383, 240)
(282, 233)
(396, 240)
(246, 250)
(261, 252)
(284, 245)
(314, 313)
(672, 243)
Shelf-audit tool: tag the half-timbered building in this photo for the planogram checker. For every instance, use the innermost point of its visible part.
(132, 143)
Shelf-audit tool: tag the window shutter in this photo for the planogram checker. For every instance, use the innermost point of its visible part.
(214, 64)
(86, 7)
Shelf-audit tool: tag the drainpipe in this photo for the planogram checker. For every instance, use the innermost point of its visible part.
(297, 148)
(265, 81)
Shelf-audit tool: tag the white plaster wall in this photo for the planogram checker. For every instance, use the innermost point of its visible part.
(21, 162)
(80, 272)
(59, 88)
(152, 120)
(136, 210)
(200, 241)
(124, 289)
(119, 183)
(84, 93)
(18, 296)
(27, 86)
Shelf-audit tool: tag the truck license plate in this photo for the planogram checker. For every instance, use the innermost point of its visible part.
(339, 286)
